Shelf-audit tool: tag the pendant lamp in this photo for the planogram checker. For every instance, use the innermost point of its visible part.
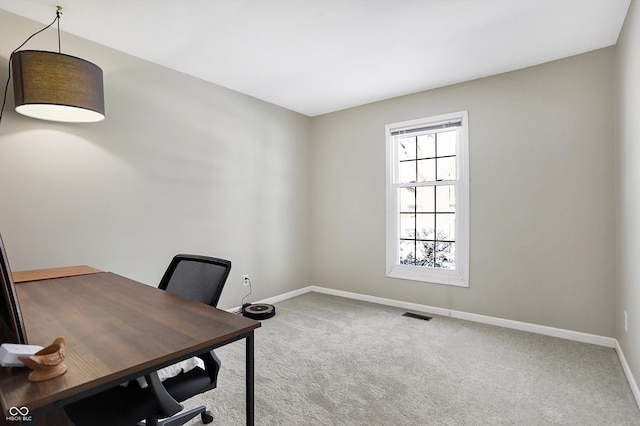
(58, 87)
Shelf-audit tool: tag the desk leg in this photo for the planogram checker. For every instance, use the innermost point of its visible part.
(249, 379)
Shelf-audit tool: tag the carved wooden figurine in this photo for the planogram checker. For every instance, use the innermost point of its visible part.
(46, 363)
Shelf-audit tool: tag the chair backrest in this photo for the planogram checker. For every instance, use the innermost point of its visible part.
(194, 277)
(11, 324)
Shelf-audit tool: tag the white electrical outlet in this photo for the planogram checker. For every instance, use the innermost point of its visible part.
(245, 280)
(625, 321)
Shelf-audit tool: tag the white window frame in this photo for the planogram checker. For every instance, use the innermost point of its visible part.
(460, 275)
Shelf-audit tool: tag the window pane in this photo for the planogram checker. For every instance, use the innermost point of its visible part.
(445, 256)
(446, 168)
(426, 170)
(425, 224)
(407, 225)
(407, 171)
(446, 198)
(447, 143)
(445, 226)
(408, 199)
(407, 253)
(407, 148)
(425, 199)
(427, 146)
(425, 253)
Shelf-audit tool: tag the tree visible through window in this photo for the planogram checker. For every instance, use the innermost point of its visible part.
(427, 178)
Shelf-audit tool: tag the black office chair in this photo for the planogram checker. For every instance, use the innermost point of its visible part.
(199, 278)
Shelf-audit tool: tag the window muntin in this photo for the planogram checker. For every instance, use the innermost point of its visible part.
(427, 196)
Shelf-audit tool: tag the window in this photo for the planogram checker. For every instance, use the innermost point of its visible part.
(428, 200)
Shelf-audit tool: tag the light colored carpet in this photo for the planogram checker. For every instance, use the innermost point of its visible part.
(325, 360)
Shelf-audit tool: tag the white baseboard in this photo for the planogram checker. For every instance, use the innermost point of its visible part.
(484, 319)
(285, 296)
(627, 372)
(275, 299)
(382, 301)
(594, 339)
(500, 322)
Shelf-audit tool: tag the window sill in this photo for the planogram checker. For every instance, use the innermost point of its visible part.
(416, 273)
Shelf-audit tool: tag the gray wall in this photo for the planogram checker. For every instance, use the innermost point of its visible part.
(542, 198)
(179, 165)
(628, 162)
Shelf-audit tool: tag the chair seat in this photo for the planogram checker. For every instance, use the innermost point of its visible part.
(127, 405)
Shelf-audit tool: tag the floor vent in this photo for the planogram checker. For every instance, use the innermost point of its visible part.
(417, 316)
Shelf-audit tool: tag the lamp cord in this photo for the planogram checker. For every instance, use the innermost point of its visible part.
(58, 12)
(6, 86)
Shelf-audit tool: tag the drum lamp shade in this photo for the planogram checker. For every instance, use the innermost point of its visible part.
(58, 87)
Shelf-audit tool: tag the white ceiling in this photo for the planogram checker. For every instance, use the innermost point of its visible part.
(319, 56)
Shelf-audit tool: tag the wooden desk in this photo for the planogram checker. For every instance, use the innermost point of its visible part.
(116, 330)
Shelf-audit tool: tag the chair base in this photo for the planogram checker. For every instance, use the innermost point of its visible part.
(181, 418)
